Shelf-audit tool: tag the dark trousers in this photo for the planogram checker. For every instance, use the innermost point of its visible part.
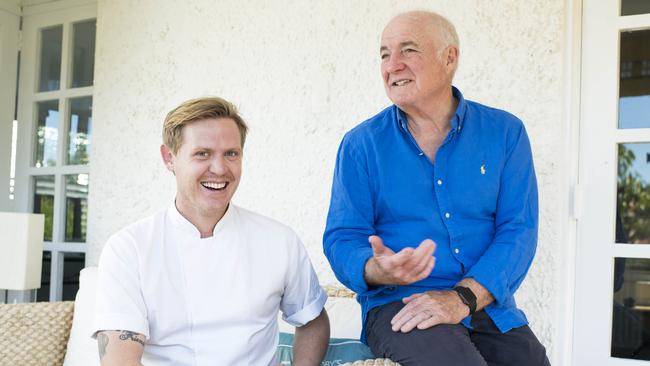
(451, 345)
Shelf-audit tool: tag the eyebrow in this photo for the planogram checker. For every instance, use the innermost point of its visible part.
(401, 45)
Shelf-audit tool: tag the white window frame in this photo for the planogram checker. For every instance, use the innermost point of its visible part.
(599, 137)
(36, 17)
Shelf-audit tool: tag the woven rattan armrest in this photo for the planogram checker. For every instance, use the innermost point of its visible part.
(375, 362)
(35, 333)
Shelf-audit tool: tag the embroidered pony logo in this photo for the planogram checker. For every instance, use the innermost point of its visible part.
(483, 169)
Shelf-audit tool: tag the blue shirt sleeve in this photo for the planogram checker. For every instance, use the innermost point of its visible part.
(350, 219)
(504, 264)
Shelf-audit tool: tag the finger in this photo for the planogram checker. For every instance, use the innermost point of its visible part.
(422, 262)
(408, 299)
(400, 319)
(433, 243)
(399, 260)
(402, 316)
(428, 267)
(378, 247)
(428, 323)
(422, 254)
(414, 321)
(426, 248)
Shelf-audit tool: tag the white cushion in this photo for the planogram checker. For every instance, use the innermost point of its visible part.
(82, 350)
(345, 318)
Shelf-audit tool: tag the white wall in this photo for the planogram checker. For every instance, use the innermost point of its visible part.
(302, 73)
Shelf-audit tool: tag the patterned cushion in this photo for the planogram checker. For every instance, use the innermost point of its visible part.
(339, 351)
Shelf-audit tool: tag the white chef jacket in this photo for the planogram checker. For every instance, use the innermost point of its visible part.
(206, 301)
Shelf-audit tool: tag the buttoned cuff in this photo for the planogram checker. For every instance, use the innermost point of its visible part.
(493, 279)
(356, 264)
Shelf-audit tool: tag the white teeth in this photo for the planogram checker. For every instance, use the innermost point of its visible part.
(401, 82)
(213, 185)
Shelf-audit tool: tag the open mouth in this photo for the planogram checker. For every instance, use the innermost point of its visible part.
(401, 82)
(214, 186)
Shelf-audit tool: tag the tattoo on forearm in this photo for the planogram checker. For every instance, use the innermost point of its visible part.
(102, 342)
(132, 336)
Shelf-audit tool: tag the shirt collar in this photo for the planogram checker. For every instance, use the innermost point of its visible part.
(459, 119)
(456, 122)
(186, 226)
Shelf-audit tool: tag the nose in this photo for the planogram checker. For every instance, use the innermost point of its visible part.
(219, 165)
(393, 63)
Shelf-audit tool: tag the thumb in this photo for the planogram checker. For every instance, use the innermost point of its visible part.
(408, 299)
(378, 247)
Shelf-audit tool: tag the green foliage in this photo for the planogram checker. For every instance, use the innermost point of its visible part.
(633, 198)
(47, 208)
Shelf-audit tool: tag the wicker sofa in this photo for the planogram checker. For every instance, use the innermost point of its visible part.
(35, 333)
(57, 333)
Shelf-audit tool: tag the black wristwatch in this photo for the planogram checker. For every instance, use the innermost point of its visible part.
(467, 297)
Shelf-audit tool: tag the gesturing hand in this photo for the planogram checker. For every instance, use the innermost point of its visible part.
(402, 268)
(428, 309)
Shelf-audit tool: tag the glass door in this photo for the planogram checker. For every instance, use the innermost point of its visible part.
(612, 314)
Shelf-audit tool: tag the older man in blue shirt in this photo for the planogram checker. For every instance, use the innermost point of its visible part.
(435, 173)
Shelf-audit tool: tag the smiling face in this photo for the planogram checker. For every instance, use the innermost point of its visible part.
(207, 167)
(416, 70)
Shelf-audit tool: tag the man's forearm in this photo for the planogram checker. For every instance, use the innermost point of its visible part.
(310, 343)
(120, 348)
(483, 296)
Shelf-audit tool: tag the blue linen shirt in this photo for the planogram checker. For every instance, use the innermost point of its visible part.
(478, 202)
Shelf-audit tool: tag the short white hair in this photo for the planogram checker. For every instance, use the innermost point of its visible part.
(443, 30)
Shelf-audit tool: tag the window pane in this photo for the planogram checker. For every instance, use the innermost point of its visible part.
(47, 133)
(83, 57)
(633, 7)
(79, 127)
(50, 68)
(76, 207)
(633, 193)
(73, 263)
(631, 309)
(43, 293)
(44, 201)
(634, 93)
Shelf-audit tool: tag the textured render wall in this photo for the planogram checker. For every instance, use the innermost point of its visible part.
(302, 73)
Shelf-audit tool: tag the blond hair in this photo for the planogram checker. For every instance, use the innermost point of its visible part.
(197, 109)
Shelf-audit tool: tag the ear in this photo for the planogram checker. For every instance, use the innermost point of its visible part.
(168, 157)
(452, 56)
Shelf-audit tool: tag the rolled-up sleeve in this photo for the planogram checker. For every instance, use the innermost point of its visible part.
(303, 298)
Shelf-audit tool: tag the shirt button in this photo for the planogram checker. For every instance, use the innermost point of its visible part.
(456, 250)
(447, 215)
(439, 182)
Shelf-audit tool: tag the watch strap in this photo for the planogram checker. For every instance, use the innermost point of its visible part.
(467, 297)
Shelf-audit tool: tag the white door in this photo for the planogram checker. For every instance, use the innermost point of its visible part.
(612, 314)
